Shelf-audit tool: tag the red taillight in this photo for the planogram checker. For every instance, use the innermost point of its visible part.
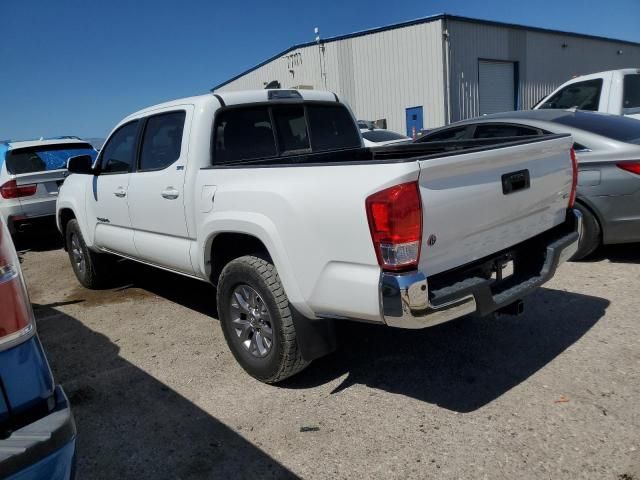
(395, 221)
(633, 166)
(574, 179)
(16, 317)
(12, 190)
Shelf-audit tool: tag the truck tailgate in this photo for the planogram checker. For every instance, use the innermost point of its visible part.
(469, 211)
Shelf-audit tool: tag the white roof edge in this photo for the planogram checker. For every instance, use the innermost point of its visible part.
(39, 143)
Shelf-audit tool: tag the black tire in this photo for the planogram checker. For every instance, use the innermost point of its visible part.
(97, 269)
(283, 358)
(591, 233)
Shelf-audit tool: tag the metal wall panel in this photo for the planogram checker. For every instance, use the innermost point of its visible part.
(379, 75)
(542, 61)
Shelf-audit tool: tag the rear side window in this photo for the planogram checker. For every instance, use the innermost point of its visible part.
(45, 158)
(332, 128)
(244, 134)
(162, 140)
(119, 151)
(500, 131)
(582, 95)
(457, 133)
(631, 91)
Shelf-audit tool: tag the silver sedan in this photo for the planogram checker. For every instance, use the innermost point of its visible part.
(608, 151)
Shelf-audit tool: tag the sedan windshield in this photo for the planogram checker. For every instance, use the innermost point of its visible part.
(612, 126)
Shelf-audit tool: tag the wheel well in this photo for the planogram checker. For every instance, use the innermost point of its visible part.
(66, 215)
(595, 214)
(229, 246)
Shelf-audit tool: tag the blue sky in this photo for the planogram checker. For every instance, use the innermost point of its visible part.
(76, 67)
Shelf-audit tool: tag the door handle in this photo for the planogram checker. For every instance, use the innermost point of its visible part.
(170, 193)
(120, 192)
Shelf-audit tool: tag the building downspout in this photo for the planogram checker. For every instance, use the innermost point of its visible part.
(446, 71)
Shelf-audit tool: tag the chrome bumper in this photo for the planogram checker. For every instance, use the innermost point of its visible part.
(405, 302)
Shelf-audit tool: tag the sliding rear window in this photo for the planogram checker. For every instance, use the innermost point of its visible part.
(45, 158)
(256, 133)
(631, 92)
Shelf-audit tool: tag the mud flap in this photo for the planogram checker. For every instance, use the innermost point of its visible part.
(316, 338)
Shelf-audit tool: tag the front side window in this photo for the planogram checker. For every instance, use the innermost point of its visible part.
(631, 91)
(450, 134)
(120, 150)
(162, 140)
(581, 95)
(382, 136)
(502, 131)
(243, 134)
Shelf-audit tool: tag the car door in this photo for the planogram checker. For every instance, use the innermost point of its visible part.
(156, 191)
(107, 202)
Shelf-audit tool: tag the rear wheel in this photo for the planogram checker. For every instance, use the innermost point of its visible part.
(591, 233)
(92, 269)
(256, 320)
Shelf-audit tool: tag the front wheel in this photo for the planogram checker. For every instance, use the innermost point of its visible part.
(256, 320)
(92, 269)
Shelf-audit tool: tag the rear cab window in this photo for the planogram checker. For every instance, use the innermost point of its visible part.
(582, 95)
(631, 93)
(243, 134)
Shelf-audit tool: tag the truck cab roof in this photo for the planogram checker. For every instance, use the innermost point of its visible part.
(239, 98)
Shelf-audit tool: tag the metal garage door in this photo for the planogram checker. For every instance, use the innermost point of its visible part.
(496, 86)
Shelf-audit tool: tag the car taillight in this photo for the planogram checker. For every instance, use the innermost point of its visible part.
(395, 221)
(574, 179)
(11, 189)
(633, 166)
(16, 316)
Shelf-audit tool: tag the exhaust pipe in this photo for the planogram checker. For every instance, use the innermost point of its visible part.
(515, 308)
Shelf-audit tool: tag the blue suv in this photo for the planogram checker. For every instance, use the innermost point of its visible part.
(37, 430)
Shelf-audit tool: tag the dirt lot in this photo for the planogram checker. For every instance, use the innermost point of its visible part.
(554, 393)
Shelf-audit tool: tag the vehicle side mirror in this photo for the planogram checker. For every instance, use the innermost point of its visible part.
(80, 164)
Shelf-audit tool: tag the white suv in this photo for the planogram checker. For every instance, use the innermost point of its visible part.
(30, 174)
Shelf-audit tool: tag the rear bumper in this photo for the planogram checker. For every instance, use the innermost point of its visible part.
(408, 302)
(18, 214)
(44, 448)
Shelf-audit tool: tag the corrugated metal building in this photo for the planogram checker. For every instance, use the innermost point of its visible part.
(432, 71)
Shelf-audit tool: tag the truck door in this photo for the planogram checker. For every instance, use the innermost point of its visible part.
(156, 198)
(107, 203)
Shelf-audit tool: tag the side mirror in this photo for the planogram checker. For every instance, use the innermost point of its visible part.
(80, 164)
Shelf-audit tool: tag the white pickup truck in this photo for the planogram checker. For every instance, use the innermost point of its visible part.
(271, 197)
(614, 91)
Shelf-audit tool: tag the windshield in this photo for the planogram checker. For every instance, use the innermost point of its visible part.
(612, 126)
(382, 136)
(46, 157)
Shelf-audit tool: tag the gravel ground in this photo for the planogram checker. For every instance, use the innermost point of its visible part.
(554, 393)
